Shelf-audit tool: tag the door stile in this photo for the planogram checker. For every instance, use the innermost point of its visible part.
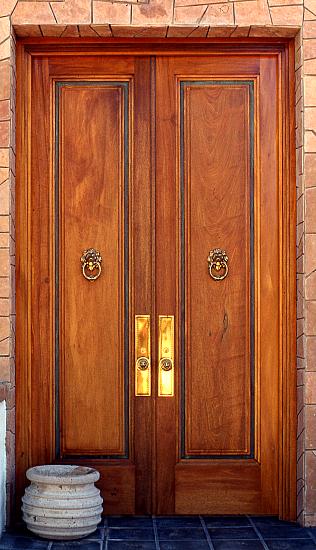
(142, 253)
(166, 279)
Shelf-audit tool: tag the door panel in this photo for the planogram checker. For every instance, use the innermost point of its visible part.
(222, 148)
(154, 162)
(93, 123)
(216, 184)
(93, 144)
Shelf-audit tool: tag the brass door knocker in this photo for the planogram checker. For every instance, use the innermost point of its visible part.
(91, 264)
(217, 264)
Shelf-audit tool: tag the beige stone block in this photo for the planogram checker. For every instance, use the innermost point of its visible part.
(310, 170)
(32, 13)
(310, 118)
(310, 222)
(178, 31)
(299, 131)
(156, 12)
(139, 32)
(27, 31)
(287, 15)
(310, 309)
(311, 353)
(214, 15)
(189, 15)
(4, 134)
(310, 48)
(298, 58)
(310, 5)
(4, 157)
(72, 12)
(179, 3)
(300, 421)
(5, 49)
(299, 332)
(53, 30)
(4, 287)
(218, 14)
(110, 13)
(310, 286)
(5, 111)
(310, 67)
(310, 142)
(4, 369)
(273, 31)
(300, 209)
(300, 264)
(102, 30)
(253, 12)
(300, 346)
(300, 305)
(4, 28)
(310, 428)
(310, 387)
(309, 29)
(4, 240)
(240, 32)
(6, 7)
(4, 262)
(4, 306)
(71, 31)
(4, 197)
(284, 2)
(220, 32)
(310, 91)
(4, 328)
(4, 223)
(310, 252)
(87, 31)
(308, 15)
(310, 475)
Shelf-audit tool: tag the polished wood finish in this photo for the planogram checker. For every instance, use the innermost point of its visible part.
(154, 477)
(91, 191)
(217, 201)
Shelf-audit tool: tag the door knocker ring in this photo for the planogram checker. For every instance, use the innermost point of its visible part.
(91, 264)
(217, 264)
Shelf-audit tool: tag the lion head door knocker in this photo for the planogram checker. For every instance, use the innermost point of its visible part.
(91, 264)
(217, 264)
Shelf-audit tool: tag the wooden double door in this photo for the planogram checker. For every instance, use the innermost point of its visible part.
(150, 294)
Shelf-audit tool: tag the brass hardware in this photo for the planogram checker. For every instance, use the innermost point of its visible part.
(142, 355)
(166, 356)
(91, 264)
(217, 264)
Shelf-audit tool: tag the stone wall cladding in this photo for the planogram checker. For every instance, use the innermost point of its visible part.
(175, 18)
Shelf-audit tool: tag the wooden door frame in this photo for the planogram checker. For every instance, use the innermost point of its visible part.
(284, 50)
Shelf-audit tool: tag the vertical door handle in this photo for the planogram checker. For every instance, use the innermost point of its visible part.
(142, 355)
(166, 356)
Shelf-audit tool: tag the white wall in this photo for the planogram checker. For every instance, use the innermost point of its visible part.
(2, 466)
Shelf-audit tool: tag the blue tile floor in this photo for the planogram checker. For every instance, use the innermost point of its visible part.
(178, 533)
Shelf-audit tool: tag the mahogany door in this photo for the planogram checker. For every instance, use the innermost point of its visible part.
(150, 290)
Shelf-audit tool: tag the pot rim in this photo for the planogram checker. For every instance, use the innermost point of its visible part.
(62, 474)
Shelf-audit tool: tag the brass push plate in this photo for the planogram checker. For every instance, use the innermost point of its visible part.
(166, 356)
(142, 355)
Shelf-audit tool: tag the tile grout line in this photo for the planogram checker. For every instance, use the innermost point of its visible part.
(153, 519)
(50, 544)
(265, 546)
(209, 540)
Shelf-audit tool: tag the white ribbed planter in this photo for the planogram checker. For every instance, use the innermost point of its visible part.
(62, 502)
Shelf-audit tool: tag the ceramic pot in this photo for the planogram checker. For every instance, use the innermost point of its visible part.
(62, 502)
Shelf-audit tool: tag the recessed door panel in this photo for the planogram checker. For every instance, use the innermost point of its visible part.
(216, 119)
(93, 152)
